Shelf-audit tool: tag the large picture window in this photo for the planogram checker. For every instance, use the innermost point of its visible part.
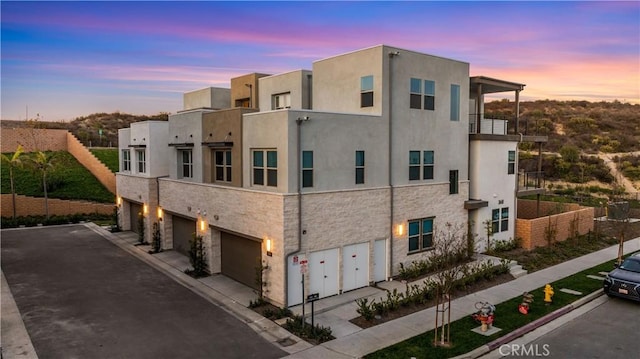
(420, 234)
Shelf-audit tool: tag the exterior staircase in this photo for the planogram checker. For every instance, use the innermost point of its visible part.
(516, 270)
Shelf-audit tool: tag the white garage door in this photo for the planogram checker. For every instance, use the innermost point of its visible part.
(323, 272)
(355, 266)
(294, 280)
(380, 260)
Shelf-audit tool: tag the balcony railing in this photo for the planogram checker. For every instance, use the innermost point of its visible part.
(531, 180)
(490, 126)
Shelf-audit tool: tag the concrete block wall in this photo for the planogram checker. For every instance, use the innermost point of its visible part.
(533, 232)
(91, 163)
(33, 139)
(34, 206)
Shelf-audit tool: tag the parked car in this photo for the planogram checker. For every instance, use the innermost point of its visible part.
(624, 281)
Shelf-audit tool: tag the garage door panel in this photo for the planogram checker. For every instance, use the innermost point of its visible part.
(183, 230)
(240, 257)
(135, 208)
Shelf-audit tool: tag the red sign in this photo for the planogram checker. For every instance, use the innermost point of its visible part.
(304, 261)
(295, 259)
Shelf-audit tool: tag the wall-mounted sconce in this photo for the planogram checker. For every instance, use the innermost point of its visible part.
(160, 213)
(400, 230)
(268, 247)
(118, 201)
(145, 209)
(203, 225)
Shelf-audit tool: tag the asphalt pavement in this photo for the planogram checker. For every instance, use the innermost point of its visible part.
(82, 297)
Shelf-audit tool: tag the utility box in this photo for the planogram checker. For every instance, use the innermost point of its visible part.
(618, 211)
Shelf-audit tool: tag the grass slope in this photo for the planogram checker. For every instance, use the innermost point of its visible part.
(108, 156)
(68, 180)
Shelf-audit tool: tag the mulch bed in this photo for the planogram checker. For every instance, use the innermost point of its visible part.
(402, 311)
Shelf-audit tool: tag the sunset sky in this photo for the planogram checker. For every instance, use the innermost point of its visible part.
(62, 60)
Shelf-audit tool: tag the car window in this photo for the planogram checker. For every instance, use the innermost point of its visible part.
(631, 265)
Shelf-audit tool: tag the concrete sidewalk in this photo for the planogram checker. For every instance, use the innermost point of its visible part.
(335, 312)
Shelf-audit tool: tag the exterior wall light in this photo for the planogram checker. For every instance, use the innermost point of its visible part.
(118, 201)
(203, 225)
(268, 245)
(160, 213)
(145, 209)
(400, 230)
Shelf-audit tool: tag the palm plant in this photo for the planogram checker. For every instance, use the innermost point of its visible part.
(13, 162)
(44, 162)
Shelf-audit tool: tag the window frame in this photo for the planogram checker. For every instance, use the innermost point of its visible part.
(511, 163)
(268, 169)
(126, 160)
(287, 99)
(141, 160)
(421, 236)
(223, 168)
(182, 165)
(500, 220)
(453, 182)
(454, 113)
(307, 170)
(359, 166)
(366, 91)
(422, 94)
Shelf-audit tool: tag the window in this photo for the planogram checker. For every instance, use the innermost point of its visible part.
(270, 167)
(281, 101)
(422, 97)
(420, 234)
(500, 220)
(307, 168)
(416, 167)
(126, 160)
(453, 182)
(366, 91)
(455, 103)
(359, 167)
(223, 165)
(142, 162)
(185, 163)
(428, 165)
(511, 167)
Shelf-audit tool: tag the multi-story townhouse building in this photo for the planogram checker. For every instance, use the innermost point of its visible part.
(329, 178)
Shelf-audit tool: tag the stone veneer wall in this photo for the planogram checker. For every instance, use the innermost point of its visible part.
(141, 190)
(534, 232)
(34, 206)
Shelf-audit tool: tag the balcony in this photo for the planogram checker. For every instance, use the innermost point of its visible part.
(488, 126)
(530, 183)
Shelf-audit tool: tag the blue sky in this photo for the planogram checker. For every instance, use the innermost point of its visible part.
(62, 60)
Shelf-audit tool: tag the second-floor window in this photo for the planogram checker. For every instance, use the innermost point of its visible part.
(366, 91)
(453, 182)
(455, 103)
(511, 166)
(185, 163)
(422, 94)
(223, 165)
(281, 101)
(265, 164)
(421, 163)
(359, 167)
(126, 160)
(141, 158)
(307, 168)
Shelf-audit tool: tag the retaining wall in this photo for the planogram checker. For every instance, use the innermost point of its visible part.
(34, 206)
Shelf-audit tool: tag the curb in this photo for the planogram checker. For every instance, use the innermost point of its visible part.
(530, 327)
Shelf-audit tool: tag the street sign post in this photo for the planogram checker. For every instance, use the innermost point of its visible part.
(312, 298)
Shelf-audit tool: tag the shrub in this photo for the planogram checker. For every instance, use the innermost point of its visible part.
(297, 326)
(197, 257)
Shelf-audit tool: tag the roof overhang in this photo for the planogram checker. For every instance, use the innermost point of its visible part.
(224, 144)
(184, 144)
(491, 85)
(475, 204)
(138, 146)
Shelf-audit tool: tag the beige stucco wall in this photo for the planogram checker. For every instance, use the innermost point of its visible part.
(296, 83)
(210, 97)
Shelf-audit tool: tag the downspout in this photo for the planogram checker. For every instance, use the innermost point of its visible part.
(299, 121)
(392, 54)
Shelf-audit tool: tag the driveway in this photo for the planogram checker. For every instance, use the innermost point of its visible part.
(82, 297)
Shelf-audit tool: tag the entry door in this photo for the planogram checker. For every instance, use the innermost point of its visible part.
(294, 280)
(355, 266)
(323, 272)
(380, 260)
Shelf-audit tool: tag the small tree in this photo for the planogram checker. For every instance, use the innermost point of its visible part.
(141, 228)
(44, 162)
(156, 241)
(260, 280)
(13, 162)
(197, 257)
